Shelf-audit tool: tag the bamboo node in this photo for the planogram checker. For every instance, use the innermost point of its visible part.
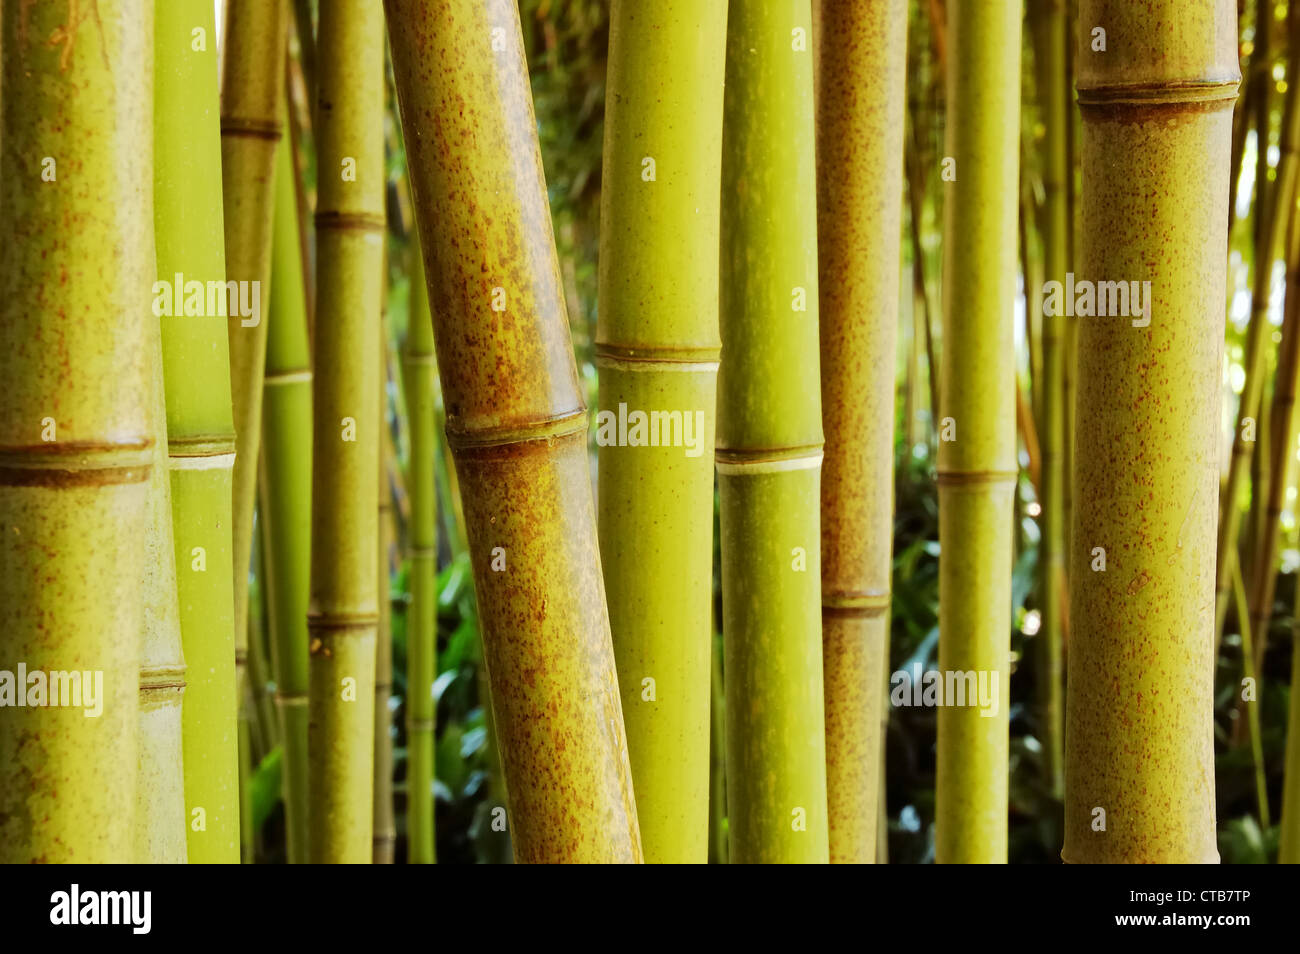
(350, 222)
(268, 129)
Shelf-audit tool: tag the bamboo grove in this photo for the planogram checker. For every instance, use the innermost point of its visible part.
(750, 431)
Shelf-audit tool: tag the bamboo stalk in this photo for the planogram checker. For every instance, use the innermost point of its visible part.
(717, 758)
(422, 617)
(657, 351)
(859, 225)
(977, 464)
(1048, 24)
(342, 613)
(385, 824)
(517, 425)
(200, 429)
(1139, 783)
(76, 353)
(285, 489)
(1274, 217)
(1289, 836)
(770, 452)
(1249, 711)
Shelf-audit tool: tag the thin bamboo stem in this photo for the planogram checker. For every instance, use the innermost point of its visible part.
(1250, 710)
(343, 607)
(385, 824)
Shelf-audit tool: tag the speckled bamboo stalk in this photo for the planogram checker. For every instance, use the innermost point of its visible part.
(770, 441)
(200, 429)
(76, 351)
(252, 94)
(1157, 129)
(657, 350)
(977, 426)
(860, 122)
(1050, 36)
(342, 614)
(420, 378)
(517, 426)
(285, 490)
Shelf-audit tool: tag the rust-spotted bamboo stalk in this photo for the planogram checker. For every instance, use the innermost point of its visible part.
(977, 464)
(657, 350)
(200, 429)
(76, 351)
(517, 426)
(252, 89)
(1157, 130)
(860, 125)
(342, 613)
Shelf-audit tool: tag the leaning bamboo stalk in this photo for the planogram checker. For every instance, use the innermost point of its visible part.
(420, 378)
(657, 350)
(1249, 712)
(859, 226)
(76, 352)
(517, 425)
(200, 429)
(977, 463)
(1139, 783)
(342, 613)
(1048, 23)
(770, 452)
(1273, 217)
(252, 86)
(285, 491)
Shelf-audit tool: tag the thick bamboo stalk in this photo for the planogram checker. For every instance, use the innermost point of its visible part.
(1048, 23)
(1273, 218)
(77, 346)
(517, 425)
(1139, 783)
(200, 429)
(385, 825)
(657, 350)
(252, 92)
(859, 228)
(977, 450)
(420, 377)
(285, 489)
(770, 450)
(342, 613)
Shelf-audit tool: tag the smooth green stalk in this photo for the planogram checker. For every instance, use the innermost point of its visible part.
(770, 443)
(1157, 129)
(77, 347)
(517, 425)
(1048, 23)
(285, 489)
(657, 350)
(385, 825)
(252, 96)
(859, 240)
(1250, 709)
(977, 464)
(717, 760)
(342, 615)
(420, 377)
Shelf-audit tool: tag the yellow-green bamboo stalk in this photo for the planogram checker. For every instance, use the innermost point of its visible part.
(420, 378)
(343, 611)
(1249, 711)
(657, 349)
(1048, 22)
(977, 427)
(859, 229)
(1273, 215)
(252, 93)
(770, 442)
(77, 349)
(285, 479)
(1157, 129)
(717, 760)
(384, 839)
(517, 425)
